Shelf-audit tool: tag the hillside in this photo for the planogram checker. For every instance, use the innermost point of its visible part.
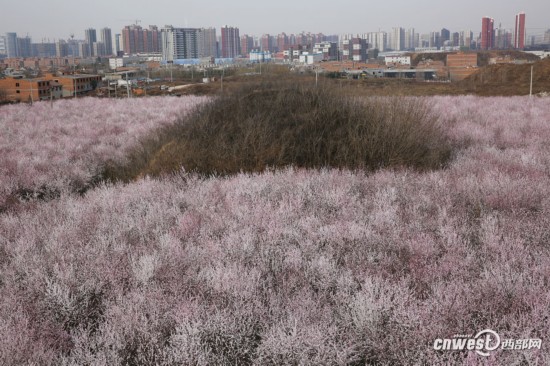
(510, 79)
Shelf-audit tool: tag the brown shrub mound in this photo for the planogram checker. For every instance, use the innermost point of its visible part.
(276, 125)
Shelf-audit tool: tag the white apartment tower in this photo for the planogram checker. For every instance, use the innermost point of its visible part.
(398, 39)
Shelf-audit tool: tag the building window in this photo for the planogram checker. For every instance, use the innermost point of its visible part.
(17, 85)
(18, 91)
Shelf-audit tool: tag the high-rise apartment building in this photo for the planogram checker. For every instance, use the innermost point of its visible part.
(118, 43)
(11, 45)
(179, 43)
(266, 43)
(231, 43)
(61, 48)
(151, 39)
(43, 49)
(410, 37)
(455, 39)
(247, 44)
(398, 39)
(24, 47)
(445, 36)
(90, 36)
(283, 43)
(465, 39)
(3, 50)
(519, 32)
(207, 43)
(435, 39)
(135, 39)
(107, 40)
(487, 33)
(377, 40)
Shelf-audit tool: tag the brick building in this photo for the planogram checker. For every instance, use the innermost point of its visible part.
(76, 84)
(29, 90)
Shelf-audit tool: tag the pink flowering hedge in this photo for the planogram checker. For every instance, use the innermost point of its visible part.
(45, 150)
(295, 267)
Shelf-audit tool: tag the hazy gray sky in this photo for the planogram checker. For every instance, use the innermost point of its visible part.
(59, 18)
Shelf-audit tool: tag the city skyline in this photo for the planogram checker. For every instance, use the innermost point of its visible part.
(257, 19)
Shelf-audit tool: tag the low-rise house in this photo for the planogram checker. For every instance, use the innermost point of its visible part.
(18, 89)
(76, 84)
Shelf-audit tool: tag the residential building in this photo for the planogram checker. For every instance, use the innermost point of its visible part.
(135, 39)
(266, 43)
(118, 44)
(410, 37)
(445, 36)
(231, 45)
(90, 36)
(83, 50)
(257, 56)
(377, 40)
(283, 43)
(179, 43)
(151, 40)
(435, 40)
(247, 44)
(455, 39)
(398, 39)
(503, 38)
(24, 47)
(23, 90)
(207, 43)
(98, 49)
(466, 39)
(519, 31)
(44, 49)
(3, 41)
(309, 59)
(61, 48)
(75, 84)
(487, 33)
(107, 40)
(354, 49)
(397, 60)
(329, 50)
(11, 45)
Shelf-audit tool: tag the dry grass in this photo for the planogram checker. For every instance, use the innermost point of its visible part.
(277, 125)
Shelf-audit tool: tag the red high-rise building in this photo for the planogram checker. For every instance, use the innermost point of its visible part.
(487, 33)
(138, 40)
(519, 33)
(231, 42)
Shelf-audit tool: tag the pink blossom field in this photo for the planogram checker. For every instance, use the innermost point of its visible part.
(46, 150)
(287, 267)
